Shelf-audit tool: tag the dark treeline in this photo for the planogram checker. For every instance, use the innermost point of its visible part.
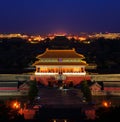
(16, 54)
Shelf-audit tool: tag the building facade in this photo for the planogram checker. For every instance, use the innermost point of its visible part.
(60, 65)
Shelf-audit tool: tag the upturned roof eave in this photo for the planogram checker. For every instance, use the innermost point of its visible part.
(60, 54)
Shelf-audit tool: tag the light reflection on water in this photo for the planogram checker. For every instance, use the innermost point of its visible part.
(59, 120)
(63, 120)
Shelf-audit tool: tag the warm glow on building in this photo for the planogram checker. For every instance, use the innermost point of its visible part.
(82, 38)
(63, 64)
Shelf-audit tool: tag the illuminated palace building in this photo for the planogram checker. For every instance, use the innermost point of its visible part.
(64, 65)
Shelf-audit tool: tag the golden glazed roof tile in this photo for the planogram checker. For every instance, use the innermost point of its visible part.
(71, 53)
(59, 63)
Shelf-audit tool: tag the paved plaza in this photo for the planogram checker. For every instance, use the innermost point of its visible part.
(53, 97)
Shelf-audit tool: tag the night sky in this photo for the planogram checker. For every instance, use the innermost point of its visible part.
(53, 16)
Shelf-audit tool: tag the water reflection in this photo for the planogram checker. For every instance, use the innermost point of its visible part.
(63, 120)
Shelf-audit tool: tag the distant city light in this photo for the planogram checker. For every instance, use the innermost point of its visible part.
(81, 37)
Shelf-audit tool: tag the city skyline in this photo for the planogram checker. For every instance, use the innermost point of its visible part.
(54, 16)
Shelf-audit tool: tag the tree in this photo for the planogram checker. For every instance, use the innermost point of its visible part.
(86, 91)
(33, 90)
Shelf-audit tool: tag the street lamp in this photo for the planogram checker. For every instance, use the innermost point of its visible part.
(16, 105)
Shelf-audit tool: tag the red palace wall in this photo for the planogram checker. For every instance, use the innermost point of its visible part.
(74, 79)
(111, 88)
(8, 88)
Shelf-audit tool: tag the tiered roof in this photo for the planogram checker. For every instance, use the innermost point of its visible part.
(60, 55)
(59, 63)
(71, 53)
